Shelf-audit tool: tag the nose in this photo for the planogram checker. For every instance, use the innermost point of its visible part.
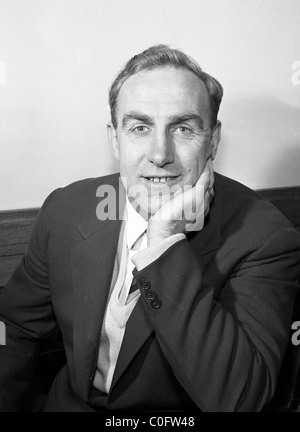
(161, 150)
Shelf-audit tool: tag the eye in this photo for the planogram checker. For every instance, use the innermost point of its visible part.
(140, 129)
(183, 130)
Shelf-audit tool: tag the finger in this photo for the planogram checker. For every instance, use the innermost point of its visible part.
(205, 176)
(209, 185)
(209, 193)
(212, 174)
(207, 201)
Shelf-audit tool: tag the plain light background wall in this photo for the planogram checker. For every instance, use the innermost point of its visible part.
(59, 57)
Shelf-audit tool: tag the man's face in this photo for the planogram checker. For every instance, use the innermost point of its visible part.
(163, 136)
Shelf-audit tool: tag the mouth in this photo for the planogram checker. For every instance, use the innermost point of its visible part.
(161, 179)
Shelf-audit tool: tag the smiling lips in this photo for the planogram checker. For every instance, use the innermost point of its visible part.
(161, 179)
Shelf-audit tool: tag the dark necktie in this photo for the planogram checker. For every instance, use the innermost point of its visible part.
(136, 246)
(134, 286)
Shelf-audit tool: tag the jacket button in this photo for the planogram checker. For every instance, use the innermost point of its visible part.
(151, 295)
(145, 284)
(156, 303)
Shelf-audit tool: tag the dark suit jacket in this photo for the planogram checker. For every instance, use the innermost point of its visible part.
(215, 344)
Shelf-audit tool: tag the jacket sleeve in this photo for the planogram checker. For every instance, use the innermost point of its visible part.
(226, 349)
(25, 309)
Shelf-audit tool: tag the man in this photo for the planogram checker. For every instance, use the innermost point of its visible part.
(204, 323)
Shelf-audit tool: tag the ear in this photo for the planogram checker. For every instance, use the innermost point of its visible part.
(215, 139)
(113, 139)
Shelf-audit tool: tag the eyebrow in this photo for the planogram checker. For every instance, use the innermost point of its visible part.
(181, 118)
(134, 115)
(174, 119)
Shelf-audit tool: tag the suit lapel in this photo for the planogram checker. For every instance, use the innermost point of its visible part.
(92, 271)
(93, 264)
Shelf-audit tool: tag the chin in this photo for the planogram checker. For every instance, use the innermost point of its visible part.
(147, 209)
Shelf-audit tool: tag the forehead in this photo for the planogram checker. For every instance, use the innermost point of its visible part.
(163, 92)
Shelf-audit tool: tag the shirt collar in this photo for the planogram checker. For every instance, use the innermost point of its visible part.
(136, 224)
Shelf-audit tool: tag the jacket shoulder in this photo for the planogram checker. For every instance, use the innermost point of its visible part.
(75, 201)
(248, 209)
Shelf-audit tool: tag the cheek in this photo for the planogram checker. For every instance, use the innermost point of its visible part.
(194, 162)
(128, 163)
(130, 152)
(124, 154)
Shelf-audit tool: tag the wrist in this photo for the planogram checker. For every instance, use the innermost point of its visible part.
(156, 234)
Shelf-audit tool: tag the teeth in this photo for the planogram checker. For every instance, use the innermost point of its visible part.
(159, 179)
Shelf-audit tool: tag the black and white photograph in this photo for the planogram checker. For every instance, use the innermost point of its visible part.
(150, 209)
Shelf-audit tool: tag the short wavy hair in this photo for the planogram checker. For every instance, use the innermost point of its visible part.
(160, 56)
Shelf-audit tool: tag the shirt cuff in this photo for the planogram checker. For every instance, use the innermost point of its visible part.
(147, 256)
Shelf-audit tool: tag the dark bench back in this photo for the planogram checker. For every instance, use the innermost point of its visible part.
(15, 230)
